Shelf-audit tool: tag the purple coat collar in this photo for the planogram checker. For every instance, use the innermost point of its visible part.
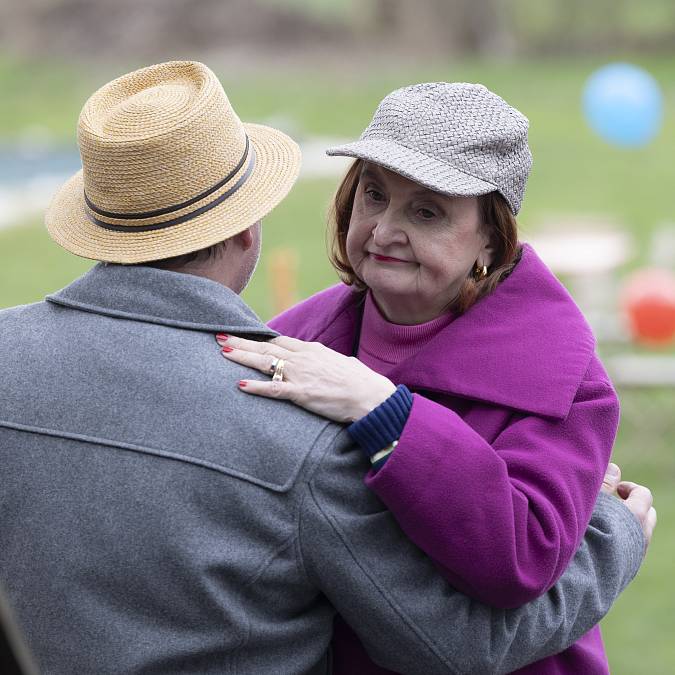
(525, 346)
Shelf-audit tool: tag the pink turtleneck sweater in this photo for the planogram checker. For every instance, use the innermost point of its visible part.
(383, 344)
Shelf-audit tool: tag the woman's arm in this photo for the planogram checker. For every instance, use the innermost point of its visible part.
(411, 621)
(504, 519)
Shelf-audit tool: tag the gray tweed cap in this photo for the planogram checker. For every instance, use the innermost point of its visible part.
(454, 138)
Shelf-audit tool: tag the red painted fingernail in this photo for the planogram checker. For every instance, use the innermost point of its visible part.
(222, 337)
(242, 383)
(228, 349)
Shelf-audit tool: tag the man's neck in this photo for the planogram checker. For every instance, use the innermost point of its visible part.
(214, 269)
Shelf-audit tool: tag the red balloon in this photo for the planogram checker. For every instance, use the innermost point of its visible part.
(648, 300)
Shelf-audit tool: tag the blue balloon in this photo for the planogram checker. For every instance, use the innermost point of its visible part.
(623, 104)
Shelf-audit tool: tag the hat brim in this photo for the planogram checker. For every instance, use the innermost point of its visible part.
(276, 169)
(416, 166)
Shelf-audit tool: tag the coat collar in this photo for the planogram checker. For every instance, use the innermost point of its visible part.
(525, 346)
(158, 296)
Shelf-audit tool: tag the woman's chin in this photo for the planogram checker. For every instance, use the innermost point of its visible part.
(391, 293)
(385, 282)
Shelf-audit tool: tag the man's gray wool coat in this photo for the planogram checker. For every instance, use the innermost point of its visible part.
(155, 519)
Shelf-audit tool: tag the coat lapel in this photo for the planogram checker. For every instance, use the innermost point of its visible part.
(341, 331)
(525, 346)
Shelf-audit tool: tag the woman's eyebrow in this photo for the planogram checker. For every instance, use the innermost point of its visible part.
(421, 192)
(424, 192)
(372, 173)
(444, 201)
(369, 173)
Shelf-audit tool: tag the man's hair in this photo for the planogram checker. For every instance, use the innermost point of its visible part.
(496, 216)
(208, 253)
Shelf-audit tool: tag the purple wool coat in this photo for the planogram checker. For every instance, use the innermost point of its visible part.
(499, 465)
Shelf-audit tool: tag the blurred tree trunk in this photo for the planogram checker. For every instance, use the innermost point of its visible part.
(483, 27)
(473, 27)
(581, 25)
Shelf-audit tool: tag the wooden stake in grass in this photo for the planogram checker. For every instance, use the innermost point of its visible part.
(283, 277)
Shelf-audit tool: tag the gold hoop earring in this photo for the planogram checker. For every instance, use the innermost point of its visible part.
(480, 272)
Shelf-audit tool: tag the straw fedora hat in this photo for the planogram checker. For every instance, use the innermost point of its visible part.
(167, 168)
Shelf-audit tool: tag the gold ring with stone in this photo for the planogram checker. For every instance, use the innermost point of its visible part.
(278, 375)
(273, 367)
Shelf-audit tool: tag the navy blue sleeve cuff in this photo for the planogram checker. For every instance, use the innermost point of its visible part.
(383, 425)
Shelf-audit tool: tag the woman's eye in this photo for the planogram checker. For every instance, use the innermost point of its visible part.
(426, 214)
(374, 195)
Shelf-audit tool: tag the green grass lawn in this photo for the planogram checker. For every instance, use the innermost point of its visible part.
(574, 173)
(638, 631)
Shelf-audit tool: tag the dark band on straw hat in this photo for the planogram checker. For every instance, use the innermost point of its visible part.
(171, 209)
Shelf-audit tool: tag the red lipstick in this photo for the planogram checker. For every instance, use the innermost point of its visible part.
(386, 258)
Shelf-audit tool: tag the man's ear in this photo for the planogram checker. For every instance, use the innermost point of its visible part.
(245, 238)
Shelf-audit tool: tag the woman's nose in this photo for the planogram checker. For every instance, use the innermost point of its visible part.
(388, 230)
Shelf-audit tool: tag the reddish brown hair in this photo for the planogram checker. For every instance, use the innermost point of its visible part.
(500, 224)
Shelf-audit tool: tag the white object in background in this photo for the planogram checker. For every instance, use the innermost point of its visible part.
(577, 252)
(17, 203)
(317, 164)
(641, 371)
(662, 247)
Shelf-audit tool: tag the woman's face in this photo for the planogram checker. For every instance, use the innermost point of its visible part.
(411, 246)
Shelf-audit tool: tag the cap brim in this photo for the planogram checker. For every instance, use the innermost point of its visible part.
(416, 166)
(277, 165)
